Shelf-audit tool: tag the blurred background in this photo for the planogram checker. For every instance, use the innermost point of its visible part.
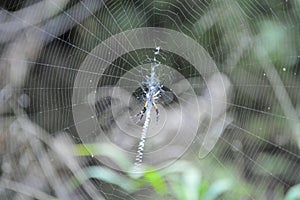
(248, 148)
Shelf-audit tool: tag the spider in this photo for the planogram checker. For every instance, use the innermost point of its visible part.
(151, 99)
(154, 88)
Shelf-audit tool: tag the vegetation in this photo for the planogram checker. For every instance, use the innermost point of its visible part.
(246, 112)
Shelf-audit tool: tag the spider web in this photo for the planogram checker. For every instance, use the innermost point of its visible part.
(252, 43)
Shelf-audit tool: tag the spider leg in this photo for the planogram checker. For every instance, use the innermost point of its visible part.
(157, 112)
(156, 94)
(143, 111)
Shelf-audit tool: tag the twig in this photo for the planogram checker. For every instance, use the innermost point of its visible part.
(281, 94)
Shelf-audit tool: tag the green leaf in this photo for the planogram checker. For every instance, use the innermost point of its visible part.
(156, 180)
(104, 149)
(187, 182)
(218, 188)
(293, 193)
(103, 174)
(203, 189)
(191, 183)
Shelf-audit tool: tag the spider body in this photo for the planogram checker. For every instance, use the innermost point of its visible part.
(153, 88)
(152, 95)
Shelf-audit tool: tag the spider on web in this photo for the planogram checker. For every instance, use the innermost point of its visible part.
(153, 88)
(152, 96)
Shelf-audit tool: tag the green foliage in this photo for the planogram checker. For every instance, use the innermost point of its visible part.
(218, 188)
(274, 40)
(104, 174)
(293, 193)
(185, 184)
(110, 151)
(182, 180)
(156, 181)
